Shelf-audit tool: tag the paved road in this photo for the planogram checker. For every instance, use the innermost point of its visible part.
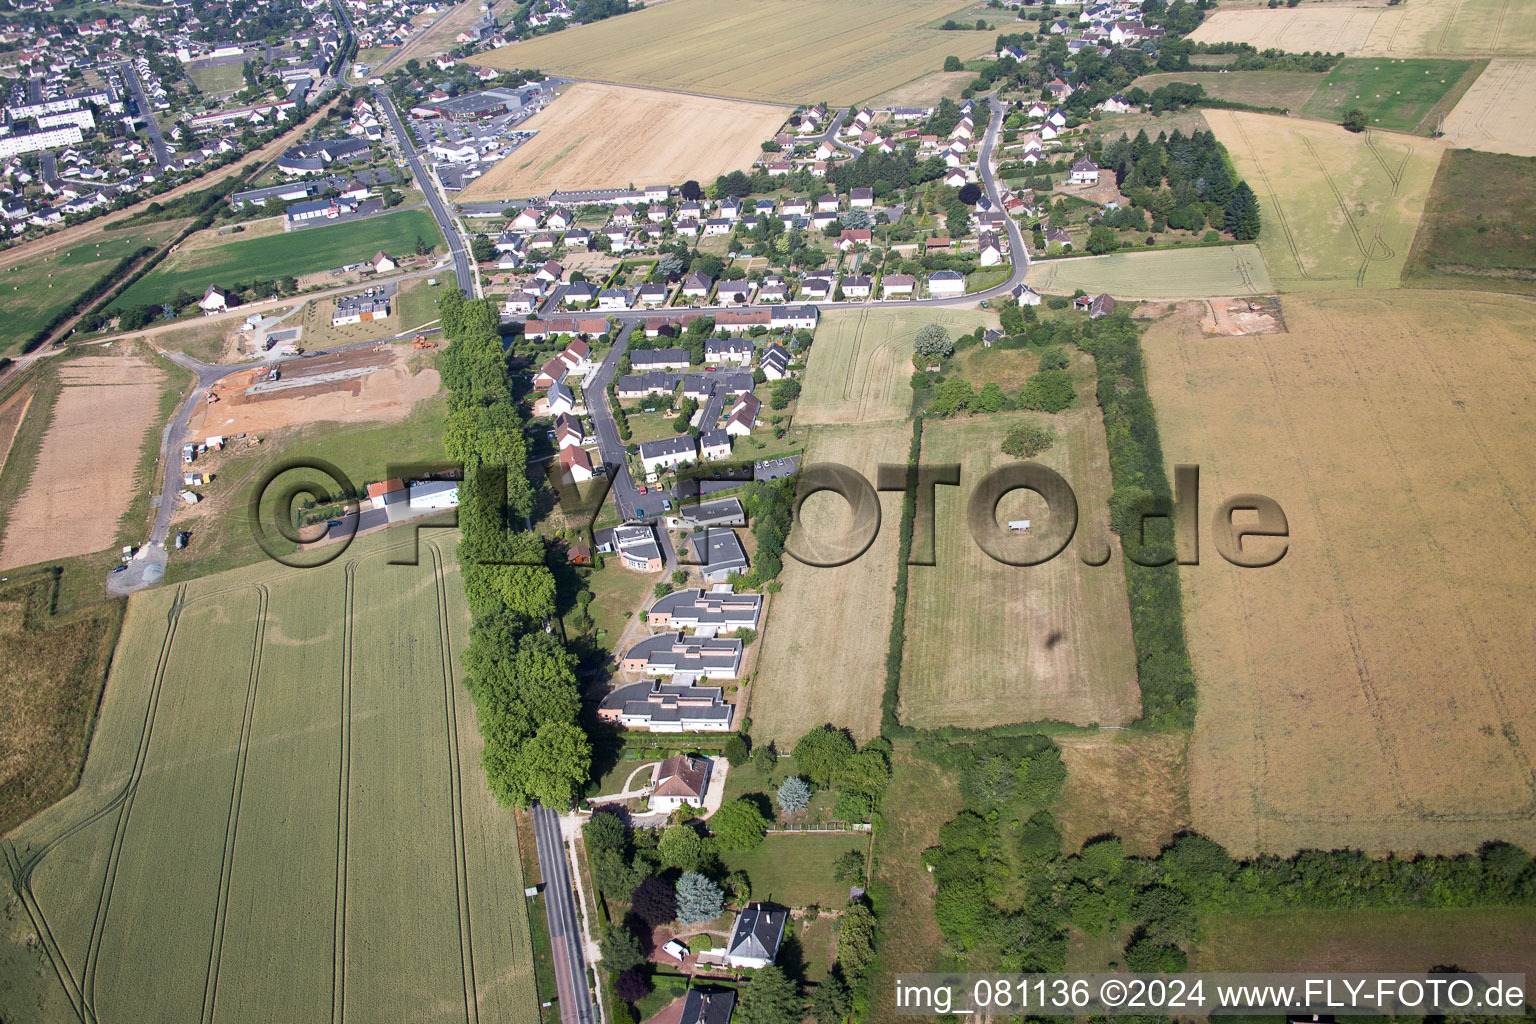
(575, 994)
(147, 112)
(428, 187)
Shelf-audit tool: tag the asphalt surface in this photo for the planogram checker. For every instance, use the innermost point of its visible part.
(456, 250)
(565, 937)
(147, 112)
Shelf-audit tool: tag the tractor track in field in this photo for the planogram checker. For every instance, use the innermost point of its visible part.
(455, 792)
(343, 789)
(232, 824)
(1285, 225)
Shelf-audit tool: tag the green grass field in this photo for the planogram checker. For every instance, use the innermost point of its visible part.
(1164, 273)
(796, 870)
(32, 292)
(220, 80)
(810, 50)
(1479, 226)
(238, 262)
(1394, 94)
(285, 771)
(992, 644)
(1289, 89)
(861, 362)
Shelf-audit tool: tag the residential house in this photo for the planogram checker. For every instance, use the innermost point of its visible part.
(697, 285)
(756, 936)
(568, 432)
(855, 236)
(855, 287)
(560, 399)
(214, 300)
(718, 552)
(861, 198)
(667, 707)
(667, 654)
(651, 295)
(897, 286)
(988, 250)
(575, 465)
(1084, 172)
(613, 299)
(577, 293)
(715, 444)
(667, 451)
(796, 318)
(1099, 305)
(737, 351)
(679, 780)
(1026, 296)
(946, 283)
(658, 359)
(743, 415)
(637, 547)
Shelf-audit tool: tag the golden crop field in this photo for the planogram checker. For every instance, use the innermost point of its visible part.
(991, 644)
(1423, 28)
(1340, 210)
(1498, 114)
(607, 136)
(860, 369)
(790, 51)
(1373, 689)
(285, 771)
(825, 638)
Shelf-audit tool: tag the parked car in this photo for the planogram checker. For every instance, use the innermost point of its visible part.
(640, 488)
(119, 568)
(666, 505)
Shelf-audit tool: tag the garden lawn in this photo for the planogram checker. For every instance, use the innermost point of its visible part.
(796, 869)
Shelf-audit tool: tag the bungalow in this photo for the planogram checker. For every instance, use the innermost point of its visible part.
(720, 611)
(527, 218)
(742, 418)
(613, 299)
(861, 198)
(637, 547)
(697, 285)
(955, 178)
(651, 295)
(815, 288)
(667, 654)
(946, 283)
(1084, 172)
(658, 359)
(679, 780)
(1037, 110)
(855, 287)
(689, 228)
(855, 236)
(775, 362)
(737, 351)
(733, 291)
(519, 303)
(577, 238)
(575, 465)
(718, 552)
(989, 251)
(797, 318)
(1116, 104)
(668, 707)
(667, 451)
(796, 207)
(568, 432)
(1058, 236)
(773, 290)
(542, 240)
(577, 293)
(823, 219)
(214, 300)
(897, 285)
(561, 399)
(558, 220)
(756, 936)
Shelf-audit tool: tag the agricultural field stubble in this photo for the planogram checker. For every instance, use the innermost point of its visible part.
(861, 363)
(284, 766)
(807, 51)
(1164, 273)
(1423, 28)
(992, 644)
(606, 136)
(1498, 113)
(1340, 209)
(824, 644)
(1372, 689)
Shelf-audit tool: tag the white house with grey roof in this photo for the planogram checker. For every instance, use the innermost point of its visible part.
(667, 451)
(756, 936)
(775, 362)
(671, 654)
(637, 547)
(718, 552)
(667, 707)
(658, 359)
(717, 610)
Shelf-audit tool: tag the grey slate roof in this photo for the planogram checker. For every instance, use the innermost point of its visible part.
(708, 1006)
(682, 444)
(718, 551)
(692, 608)
(670, 653)
(758, 930)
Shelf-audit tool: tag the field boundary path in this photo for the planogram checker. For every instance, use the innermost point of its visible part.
(565, 936)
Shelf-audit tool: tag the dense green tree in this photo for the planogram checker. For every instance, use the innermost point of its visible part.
(821, 754)
(654, 902)
(1026, 440)
(793, 796)
(698, 899)
(771, 998)
(682, 847)
(738, 825)
(933, 340)
(620, 949)
(1048, 391)
(856, 940)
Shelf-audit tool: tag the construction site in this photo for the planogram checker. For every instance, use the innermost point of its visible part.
(1241, 316)
(371, 383)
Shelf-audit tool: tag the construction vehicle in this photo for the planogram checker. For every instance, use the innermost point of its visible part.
(213, 396)
(422, 342)
(274, 374)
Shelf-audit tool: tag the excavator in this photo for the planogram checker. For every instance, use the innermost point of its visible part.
(422, 342)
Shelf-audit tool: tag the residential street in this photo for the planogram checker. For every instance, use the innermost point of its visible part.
(428, 186)
(147, 112)
(565, 931)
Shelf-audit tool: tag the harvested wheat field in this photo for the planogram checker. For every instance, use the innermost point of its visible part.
(345, 387)
(824, 644)
(1374, 688)
(1340, 210)
(84, 476)
(861, 364)
(1498, 114)
(991, 644)
(1298, 30)
(1163, 273)
(790, 51)
(608, 136)
(1131, 783)
(926, 91)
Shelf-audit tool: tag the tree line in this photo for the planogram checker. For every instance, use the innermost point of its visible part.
(517, 668)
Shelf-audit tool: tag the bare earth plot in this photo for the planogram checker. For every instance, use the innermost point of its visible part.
(824, 645)
(861, 363)
(790, 51)
(991, 644)
(84, 476)
(1373, 689)
(605, 136)
(1498, 114)
(285, 771)
(1165, 274)
(1340, 210)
